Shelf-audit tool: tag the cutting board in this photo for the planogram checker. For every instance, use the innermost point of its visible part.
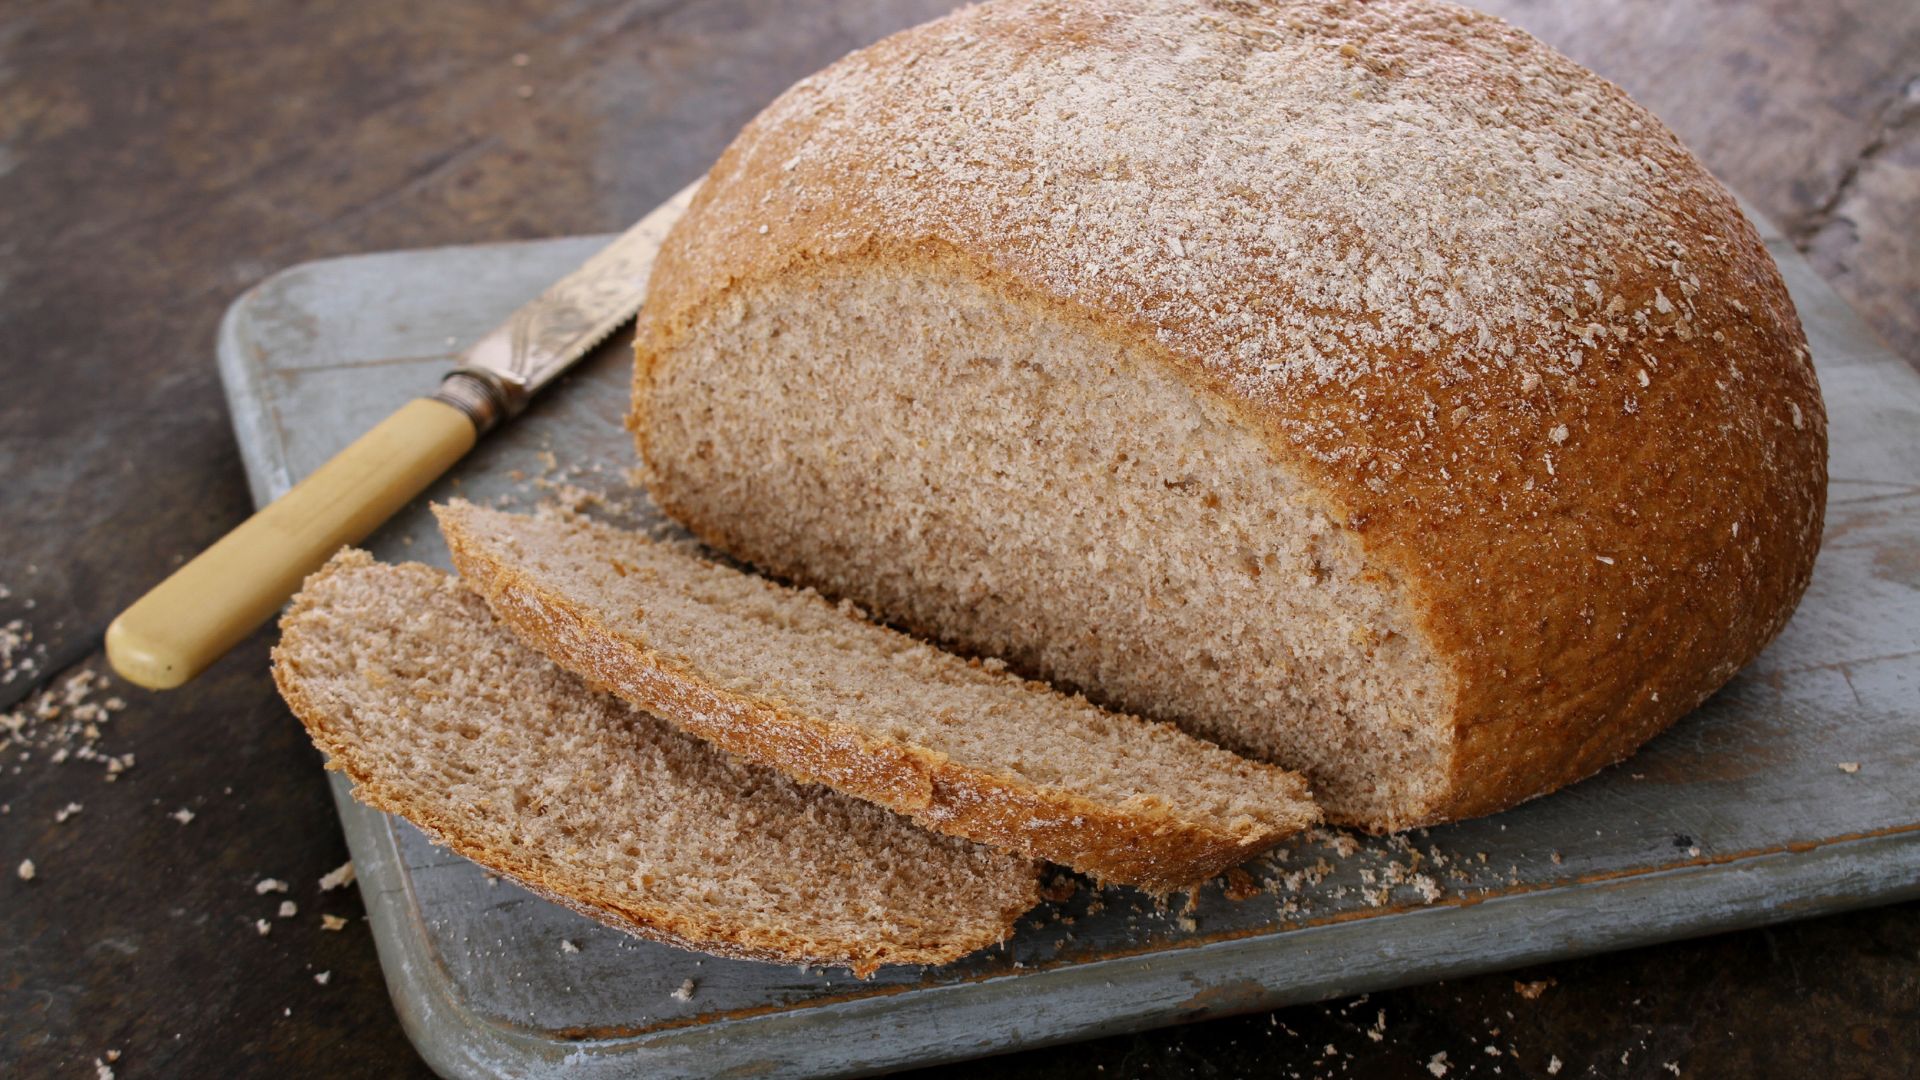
(1749, 811)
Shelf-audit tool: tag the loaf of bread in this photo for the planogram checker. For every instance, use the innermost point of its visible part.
(438, 714)
(1363, 386)
(785, 679)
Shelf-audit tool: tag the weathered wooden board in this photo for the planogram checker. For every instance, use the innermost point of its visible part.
(1740, 815)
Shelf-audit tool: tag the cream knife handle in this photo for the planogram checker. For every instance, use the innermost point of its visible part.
(193, 617)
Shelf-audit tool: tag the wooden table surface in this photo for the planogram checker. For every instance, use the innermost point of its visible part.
(158, 158)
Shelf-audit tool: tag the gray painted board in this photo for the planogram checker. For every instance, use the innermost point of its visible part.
(1740, 815)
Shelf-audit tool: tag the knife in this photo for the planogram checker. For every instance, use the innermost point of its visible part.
(193, 617)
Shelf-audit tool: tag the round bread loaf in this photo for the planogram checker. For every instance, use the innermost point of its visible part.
(1363, 386)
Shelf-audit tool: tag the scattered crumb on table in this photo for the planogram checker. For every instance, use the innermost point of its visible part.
(1532, 990)
(338, 876)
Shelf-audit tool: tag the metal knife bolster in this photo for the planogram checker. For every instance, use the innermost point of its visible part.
(502, 372)
(477, 393)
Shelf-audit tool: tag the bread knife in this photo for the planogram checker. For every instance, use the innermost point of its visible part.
(204, 608)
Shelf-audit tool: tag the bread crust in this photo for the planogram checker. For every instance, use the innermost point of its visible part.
(654, 923)
(1150, 845)
(1590, 548)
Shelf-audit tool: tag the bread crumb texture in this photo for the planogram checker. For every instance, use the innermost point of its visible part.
(437, 713)
(787, 679)
(1361, 385)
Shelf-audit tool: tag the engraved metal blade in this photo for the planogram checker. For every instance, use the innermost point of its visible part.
(564, 323)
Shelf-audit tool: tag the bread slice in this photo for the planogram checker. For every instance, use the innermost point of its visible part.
(438, 714)
(785, 678)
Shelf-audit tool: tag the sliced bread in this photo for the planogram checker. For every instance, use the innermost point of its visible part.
(438, 714)
(786, 679)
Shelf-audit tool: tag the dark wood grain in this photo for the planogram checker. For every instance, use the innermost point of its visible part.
(158, 158)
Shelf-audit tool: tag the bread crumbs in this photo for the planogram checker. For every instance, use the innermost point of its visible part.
(183, 815)
(1240, 885)
(323, 977)
(1532, 990)
(332, 922)
(684, 993)
(337, 877)
(288, 909)
(268, 885)
(25, 870)
(1429, 889)
(66, 721)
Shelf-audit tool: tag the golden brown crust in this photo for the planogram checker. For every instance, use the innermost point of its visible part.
(1600, 509)
(717, 937)
(1152, 846)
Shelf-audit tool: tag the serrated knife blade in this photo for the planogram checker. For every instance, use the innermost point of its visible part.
(550, 333)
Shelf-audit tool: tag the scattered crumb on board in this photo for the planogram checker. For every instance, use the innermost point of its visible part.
(1240, 885)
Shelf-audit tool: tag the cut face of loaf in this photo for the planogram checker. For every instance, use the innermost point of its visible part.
(992, 475)
(439, 715)
(1360, 384)
(786, 679)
